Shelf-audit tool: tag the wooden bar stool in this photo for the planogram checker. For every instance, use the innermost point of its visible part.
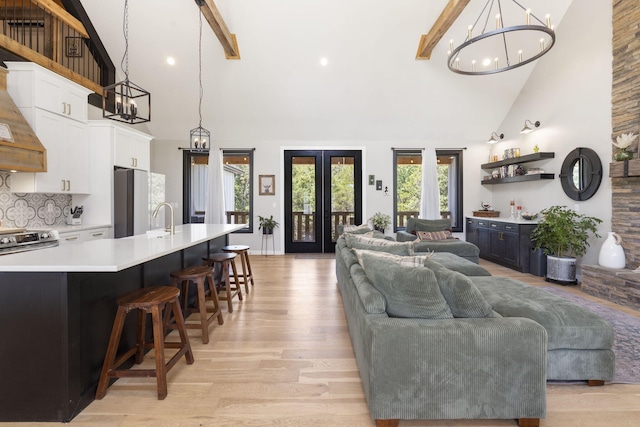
(198, 275)
(226, 260)
(247, 274)
(145, 300)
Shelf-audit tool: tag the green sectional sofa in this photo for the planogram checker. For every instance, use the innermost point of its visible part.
(455, 246)
(439, 365)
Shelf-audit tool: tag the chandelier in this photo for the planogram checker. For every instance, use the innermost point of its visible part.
(492, 47)
(125, 101)
(199, 137)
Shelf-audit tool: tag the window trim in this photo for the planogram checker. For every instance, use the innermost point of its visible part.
(459, 194)
(186, 182)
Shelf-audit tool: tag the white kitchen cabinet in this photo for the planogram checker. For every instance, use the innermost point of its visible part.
(67, 156)
(78, 236)
(31, 85)
(131, 149)
(56, 110)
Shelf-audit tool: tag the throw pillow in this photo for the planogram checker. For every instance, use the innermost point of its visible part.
(408, 292)
(462, 296)
(435, 235)
(373, 244)
(407, 261)
(355, 229)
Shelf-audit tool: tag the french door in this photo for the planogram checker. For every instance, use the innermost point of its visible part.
(323, 189)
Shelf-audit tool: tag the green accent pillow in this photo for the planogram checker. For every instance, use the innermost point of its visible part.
(408, 292)
(462, 296)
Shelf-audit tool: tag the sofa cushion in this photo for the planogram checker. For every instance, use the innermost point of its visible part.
(408, 292)
(454, 246)
(459, 264)
(373, 244)
(435, 235)
(372, 300)
(417, 224)
(568, 325)
(462, 296)
(407, 261)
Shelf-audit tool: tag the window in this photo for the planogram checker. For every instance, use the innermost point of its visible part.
(407, 180)
(237, 174)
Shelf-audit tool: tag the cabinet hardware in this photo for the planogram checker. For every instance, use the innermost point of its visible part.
(62, 187)
(97, 234)
(68, 185)
(68, 239)
(64, 108)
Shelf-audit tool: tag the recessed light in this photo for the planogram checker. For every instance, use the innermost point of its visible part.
(171, 60)
(324, 61)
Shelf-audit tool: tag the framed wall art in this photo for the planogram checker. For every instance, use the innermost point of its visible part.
(267, 185)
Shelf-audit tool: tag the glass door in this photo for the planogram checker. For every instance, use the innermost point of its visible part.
(323, 189)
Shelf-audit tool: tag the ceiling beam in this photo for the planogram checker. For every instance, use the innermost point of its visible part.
(54, 9)
(428, 41)
(214, 18)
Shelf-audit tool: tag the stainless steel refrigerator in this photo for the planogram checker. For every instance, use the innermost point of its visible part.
(131, 202)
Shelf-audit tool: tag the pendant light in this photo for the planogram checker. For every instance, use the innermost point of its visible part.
(125, 101)
(494, 50)
(199, 138)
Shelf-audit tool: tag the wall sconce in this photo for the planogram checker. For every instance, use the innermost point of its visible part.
(529, 127)
(495, 138)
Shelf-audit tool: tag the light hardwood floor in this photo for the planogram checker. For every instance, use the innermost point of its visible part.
(284, 358)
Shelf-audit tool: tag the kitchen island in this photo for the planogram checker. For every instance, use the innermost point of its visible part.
(57, 307)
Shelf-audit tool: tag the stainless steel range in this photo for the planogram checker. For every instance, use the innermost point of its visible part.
(14, 240)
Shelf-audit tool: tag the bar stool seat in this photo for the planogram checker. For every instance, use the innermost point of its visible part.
(232, 288)
(145, 300)
(197, 274)
(247, 274)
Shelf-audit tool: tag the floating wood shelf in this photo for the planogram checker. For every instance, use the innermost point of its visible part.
(624, 169)
(520, 178)
(522, 159)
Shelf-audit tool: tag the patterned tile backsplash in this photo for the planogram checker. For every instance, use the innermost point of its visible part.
(32, 210)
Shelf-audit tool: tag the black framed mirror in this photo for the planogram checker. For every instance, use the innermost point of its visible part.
(581, 173)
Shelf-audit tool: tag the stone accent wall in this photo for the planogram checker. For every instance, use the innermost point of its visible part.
(623, 286)
(619, 286)
(626, 118)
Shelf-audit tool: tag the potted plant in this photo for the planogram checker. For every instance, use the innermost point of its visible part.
(563, 236)
(267, 225)
(380, 221)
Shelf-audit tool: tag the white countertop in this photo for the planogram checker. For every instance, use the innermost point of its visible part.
(110, 255)
(506, 219)
(72, 228)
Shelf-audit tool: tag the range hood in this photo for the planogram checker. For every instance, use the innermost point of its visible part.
(20, 148)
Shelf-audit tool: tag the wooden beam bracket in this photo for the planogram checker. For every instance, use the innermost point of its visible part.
(217, 24)
(428, 41)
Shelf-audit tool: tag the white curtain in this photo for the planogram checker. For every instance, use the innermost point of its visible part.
(453, 189)
(216, 211)
(429, 194)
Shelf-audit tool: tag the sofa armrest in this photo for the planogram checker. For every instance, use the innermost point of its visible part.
(456, 368)
(403, 236)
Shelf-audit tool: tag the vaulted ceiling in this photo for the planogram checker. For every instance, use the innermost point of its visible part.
(372, 87)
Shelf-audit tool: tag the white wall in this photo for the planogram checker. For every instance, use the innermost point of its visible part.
(569, 92)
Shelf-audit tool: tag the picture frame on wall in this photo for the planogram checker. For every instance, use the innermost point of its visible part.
(267, 185)
(73, 47)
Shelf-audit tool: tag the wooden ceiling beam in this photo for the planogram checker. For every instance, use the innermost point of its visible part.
(428, 41)
(214, 18)
(56, 10)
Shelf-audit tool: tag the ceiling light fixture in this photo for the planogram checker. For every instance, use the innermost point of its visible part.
(509, 46)
(199, 137)
(495, 138)
(529, 126)
(125, 101)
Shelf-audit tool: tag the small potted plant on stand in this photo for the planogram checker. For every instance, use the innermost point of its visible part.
(563, 235)
(380, 221)
(267, 225)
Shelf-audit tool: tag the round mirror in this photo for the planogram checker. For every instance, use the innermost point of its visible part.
(581, 173)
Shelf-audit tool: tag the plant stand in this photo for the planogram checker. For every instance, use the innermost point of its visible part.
(264, 245)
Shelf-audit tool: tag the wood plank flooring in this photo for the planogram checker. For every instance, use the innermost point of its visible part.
(284, 358)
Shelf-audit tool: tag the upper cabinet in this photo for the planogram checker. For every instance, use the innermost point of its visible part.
(31, 85)
(56, 110)
(130, 148)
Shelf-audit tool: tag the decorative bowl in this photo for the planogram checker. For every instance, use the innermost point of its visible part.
(529, 216)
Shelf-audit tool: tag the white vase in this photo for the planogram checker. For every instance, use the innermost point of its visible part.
(611, 252)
